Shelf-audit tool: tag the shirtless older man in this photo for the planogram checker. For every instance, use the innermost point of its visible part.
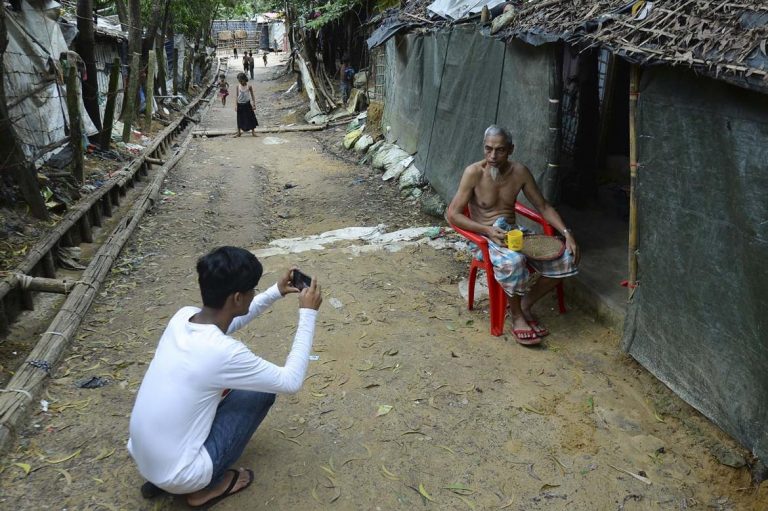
(490, 188)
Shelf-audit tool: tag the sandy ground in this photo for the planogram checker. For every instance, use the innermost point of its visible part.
(476, 422)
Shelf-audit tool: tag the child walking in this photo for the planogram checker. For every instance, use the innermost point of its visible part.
(223, 90)
(246, 104)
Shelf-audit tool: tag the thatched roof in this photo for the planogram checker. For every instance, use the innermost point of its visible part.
(723, 38)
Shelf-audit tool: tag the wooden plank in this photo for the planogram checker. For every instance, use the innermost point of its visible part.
(273, 129)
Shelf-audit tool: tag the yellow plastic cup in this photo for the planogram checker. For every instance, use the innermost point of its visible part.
(515, 240)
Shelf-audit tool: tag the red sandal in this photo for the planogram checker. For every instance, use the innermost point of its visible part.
(527, 337)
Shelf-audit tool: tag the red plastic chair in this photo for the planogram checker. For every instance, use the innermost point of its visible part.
(496, 295)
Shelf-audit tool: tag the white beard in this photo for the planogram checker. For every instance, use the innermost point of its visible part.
(494, 172)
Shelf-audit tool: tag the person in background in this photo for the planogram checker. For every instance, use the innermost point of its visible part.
(265, 58)
(245, 62)
(250, 63)
(245, 106)
(347, 75)
(223, 90)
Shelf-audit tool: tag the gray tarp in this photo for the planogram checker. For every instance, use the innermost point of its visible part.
(456, 83)
(404, 61)
(467, 104)
(524, 104)
(698, 320)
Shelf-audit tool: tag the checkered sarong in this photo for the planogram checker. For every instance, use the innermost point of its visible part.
(511, 268)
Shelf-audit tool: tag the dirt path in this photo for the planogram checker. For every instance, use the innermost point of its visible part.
(475, 422)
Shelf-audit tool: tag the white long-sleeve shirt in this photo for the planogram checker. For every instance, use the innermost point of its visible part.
(182, 388)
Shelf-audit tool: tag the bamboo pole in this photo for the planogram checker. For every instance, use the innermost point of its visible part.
(43, 285)
(274, 129)
(130, 103)
(634, 86)
(109, 110)
(75, 126)
(28, 381)
(150, 92)
(551, 175)
(91, 205)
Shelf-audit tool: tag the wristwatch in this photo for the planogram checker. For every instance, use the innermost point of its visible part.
(567, 231)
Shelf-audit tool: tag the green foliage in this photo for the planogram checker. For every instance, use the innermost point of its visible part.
(238, 9)
(331, 11)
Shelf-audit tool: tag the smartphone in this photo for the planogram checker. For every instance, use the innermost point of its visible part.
(300, 281)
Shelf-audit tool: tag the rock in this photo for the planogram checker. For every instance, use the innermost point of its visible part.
(433, 205)
(410, 177)
(727, 456)
(352, 137)
(363, 143)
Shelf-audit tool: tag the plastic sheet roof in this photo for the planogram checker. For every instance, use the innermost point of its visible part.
(459, 9)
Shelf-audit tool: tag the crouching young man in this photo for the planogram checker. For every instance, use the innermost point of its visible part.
(205, 393)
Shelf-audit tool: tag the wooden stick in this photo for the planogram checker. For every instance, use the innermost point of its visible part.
(150, 91)
(130, 104)
(44, 285)
(154, 161)
(275, 129)
(75, 126)
(49, 265)
(634, 86)
(109, 110)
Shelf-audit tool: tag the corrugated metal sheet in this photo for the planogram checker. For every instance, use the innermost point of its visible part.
(37, 101)
(105, 54)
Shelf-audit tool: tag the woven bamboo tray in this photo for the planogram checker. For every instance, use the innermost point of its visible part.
(542, 247)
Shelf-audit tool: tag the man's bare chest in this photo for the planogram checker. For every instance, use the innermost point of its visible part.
(496, 194)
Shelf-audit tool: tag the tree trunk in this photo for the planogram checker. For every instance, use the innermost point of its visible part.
(155, 20)
(162, 61)
(85, 47)
(134, 46)
(11, 154)
(122, 15)
(75, 123)
(109, 111)
(131, 92)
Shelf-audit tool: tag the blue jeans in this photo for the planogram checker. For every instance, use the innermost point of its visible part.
(237, 417)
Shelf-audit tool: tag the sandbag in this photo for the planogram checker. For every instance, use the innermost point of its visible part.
(363, 143)
(410, 178)
(352, 137)
(387, 156)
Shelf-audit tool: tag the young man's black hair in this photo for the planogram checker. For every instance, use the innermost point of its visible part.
(224, 271)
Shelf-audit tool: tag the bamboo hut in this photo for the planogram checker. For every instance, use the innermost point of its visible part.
(659, 150)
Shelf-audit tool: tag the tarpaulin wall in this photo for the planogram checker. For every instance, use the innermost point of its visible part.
(444, 88)
(405, 59)
(698, 319)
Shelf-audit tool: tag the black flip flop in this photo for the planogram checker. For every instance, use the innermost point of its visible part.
(150, 491)
(228, 492)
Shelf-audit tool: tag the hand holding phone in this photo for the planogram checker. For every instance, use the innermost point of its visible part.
(299, 280)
